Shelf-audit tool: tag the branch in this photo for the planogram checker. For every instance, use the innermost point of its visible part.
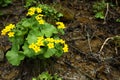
(106, 13)
(104, 44)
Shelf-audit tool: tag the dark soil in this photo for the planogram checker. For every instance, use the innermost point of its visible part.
(85, 36)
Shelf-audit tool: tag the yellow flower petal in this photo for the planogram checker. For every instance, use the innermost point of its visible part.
(39, 10)
(34, 47)
(50, 45)
(60, 25)
(65, 48)
(41, 21)
(11, 34)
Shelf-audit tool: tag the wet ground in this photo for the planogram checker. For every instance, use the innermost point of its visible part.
(88, 57)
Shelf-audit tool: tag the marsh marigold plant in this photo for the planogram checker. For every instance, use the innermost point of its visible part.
(34, 37)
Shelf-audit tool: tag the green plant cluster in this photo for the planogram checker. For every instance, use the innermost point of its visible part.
(4, 3)
(116, 40)
(47, 76)
(118, 20)
(34, 37)
(29, 3)
(50, 12)
(99, 9)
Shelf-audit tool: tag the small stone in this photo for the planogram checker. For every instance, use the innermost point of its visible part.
(77, 57)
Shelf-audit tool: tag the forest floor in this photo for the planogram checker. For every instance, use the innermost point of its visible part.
(88, 57)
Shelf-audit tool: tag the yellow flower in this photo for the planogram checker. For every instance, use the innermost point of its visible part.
(40, 41)
(39, 10)
(65, 48)
(34, 47)
(7, 29)
(11, 26)
(60, 41)
(60, 25)
(31, 11)
(38, 17)
(56, 41)
(40, 38)
(3, 32)
(50, 45)
(31, 45)
(11, 34)
(41, 21)
(50, 39)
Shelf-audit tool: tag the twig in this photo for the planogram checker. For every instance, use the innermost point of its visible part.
(88, 38)
(89, 42)
(116, 50)
(76, 38)
(116, 2)
(22, 3)
(104, 44)
(106, 13)
(78, 70)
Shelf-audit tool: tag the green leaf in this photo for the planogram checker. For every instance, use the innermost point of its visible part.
(45, 76)
(32, 36)
(14, 57)
(27, 51)
(49, 53)
(100, 15)
(16, 43)
(62, 31)
(48, 30)
(5, 3)
(43, 50)
(118, 20)
(19, 40)
(59, 51)
(26, 23)
(29, 3)
(59, 15)
(34, 79)
(56, 77)
(19, 33)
